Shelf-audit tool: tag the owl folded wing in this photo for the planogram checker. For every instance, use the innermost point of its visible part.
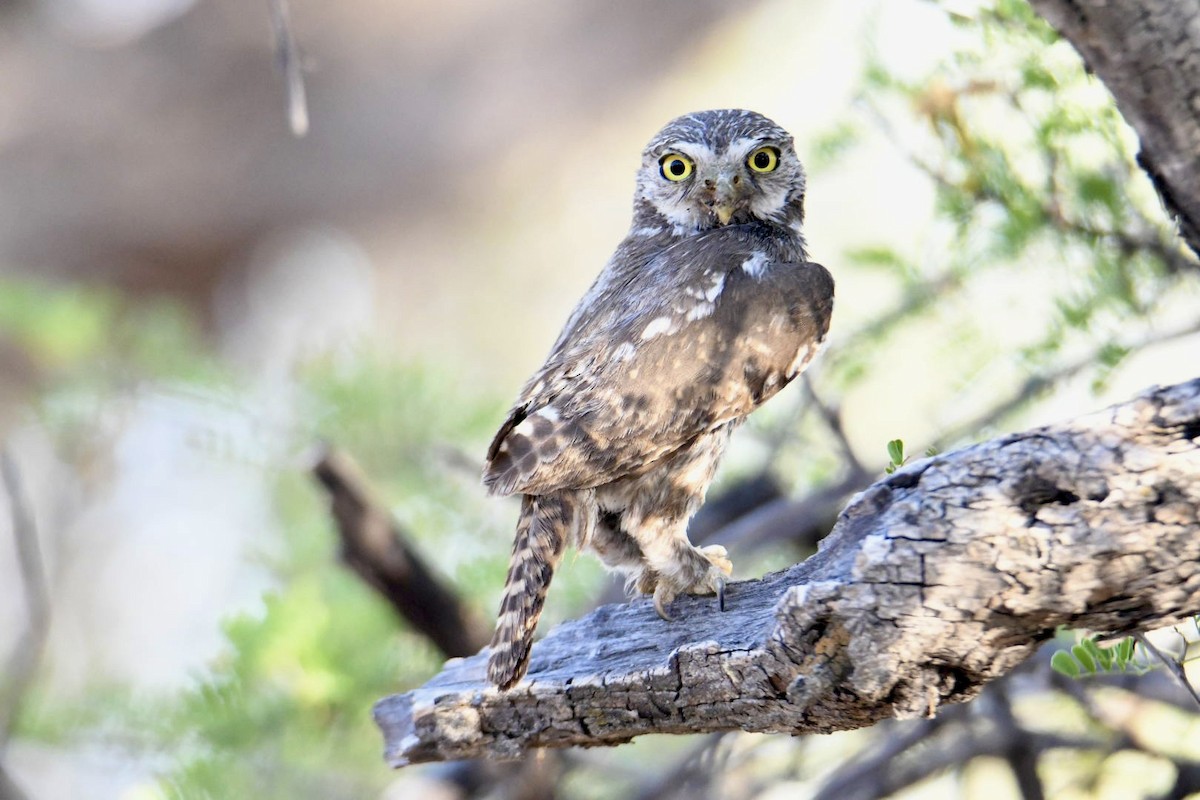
(614, 402)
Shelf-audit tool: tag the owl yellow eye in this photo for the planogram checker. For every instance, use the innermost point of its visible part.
(675, 167)
(764, 159)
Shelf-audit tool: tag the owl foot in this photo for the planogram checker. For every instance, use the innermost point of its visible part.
(707, 579)
(718, 556)
(663, 595)
(646, 582)
(721, 568)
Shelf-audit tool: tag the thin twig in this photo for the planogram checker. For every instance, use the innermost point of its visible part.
(287, 55)
(1034, 385)
(1021, 755)
(681, 779)
(8, 788)
(1153, 242)
(866, 767)
(20, 669)
(1173, 666)
(833, 419)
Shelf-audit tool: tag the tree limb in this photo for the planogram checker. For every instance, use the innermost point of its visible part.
(20, 669)
(935, 581)
(375, 547)
(1148, 55)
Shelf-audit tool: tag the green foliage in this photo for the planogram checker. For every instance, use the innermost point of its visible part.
(1088, 657)
(1031, 166)
(1034, 177)
(896, 458)
(286, 712)
(829, 147)
(93, 338)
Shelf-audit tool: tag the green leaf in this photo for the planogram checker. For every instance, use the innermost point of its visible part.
(881, 257)
(1084, 658)
(831, 145)
(1111, 354)
(895, 450)
(1062, 663)
(1102, 656)
(1124, 652)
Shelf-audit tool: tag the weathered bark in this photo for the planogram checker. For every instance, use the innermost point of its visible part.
(935, 581)
(1148, 55)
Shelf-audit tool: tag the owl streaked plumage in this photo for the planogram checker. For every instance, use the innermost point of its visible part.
(706, 310)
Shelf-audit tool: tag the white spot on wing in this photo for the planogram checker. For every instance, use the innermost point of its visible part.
(700, 311)
(712, 292)
(756, 264)
(548, 412)
(646, 231)
(806, 354)
(657, 327)
(624, 351)
(707, 292)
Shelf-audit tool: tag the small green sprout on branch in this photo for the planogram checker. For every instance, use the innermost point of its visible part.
(895, 449)
(897, 459)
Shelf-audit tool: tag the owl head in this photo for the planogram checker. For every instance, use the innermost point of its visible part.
(715, 168)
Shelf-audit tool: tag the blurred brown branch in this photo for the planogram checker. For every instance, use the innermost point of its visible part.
(287, 55)
(21, 666)
(19, 672)
(379, 551)
(375, 547)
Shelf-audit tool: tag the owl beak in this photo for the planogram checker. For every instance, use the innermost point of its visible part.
(724, 197)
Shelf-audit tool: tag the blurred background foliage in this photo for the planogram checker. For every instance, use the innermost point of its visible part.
(1021, 270)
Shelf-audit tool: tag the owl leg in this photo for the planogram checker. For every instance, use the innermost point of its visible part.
(622, 554)
(681, 567)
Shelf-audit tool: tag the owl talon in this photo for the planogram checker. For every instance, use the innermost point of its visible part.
(662, 599)
(720, 594)
(647, 582)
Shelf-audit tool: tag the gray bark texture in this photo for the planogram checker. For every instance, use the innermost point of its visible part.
(934, 581)
(1148, 55)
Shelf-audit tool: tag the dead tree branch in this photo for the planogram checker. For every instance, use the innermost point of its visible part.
(935, 581)
(287, 54)
(19, 672)
(375, 548)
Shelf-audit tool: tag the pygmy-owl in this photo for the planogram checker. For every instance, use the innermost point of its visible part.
(706, 310)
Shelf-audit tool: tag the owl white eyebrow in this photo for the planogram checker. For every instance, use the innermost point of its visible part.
(693, 150)
(745, 144)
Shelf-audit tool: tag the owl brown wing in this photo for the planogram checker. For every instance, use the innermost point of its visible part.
(731, 330)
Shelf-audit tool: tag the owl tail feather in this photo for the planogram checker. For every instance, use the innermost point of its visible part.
(542, 530)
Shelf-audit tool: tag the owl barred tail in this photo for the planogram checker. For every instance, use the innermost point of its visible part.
(542, 531)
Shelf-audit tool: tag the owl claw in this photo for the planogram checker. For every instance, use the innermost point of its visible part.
(720, 593)
(662, 598)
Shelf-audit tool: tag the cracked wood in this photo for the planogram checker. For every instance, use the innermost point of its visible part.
(934, 581)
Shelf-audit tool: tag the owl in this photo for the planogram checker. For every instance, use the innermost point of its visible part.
(705, 311)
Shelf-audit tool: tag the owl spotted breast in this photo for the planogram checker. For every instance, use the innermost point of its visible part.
(706, 310)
